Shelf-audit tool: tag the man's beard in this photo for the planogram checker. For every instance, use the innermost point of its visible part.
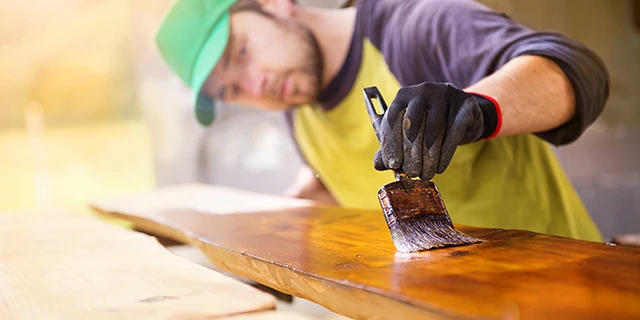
(312, 63)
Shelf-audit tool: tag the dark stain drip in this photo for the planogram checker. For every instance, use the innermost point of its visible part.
(459, 253)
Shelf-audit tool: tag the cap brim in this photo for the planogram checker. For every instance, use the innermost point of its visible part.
(207, 59)
(204, 109)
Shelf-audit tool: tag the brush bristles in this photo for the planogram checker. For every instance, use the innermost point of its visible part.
(424, 234)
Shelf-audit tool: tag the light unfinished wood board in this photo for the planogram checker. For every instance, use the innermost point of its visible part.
(56, 266)
(345, 260)
(204, 198)
(269, 315)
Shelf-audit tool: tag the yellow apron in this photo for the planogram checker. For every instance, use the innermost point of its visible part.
(511, 182)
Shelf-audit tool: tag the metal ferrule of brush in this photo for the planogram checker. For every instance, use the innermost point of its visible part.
(398, 201)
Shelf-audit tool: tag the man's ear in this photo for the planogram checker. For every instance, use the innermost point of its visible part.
(278, 8)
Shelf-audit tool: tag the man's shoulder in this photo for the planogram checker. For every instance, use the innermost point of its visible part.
(377, 16)
(420, 38)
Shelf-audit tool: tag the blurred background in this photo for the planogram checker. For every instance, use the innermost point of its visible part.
(89, 110)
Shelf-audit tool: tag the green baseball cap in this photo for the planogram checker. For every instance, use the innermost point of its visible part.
(191, 40)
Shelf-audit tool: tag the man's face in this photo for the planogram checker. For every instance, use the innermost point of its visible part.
(269, 62)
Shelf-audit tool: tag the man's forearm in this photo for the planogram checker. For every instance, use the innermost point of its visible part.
(309, 187)
(533, 92)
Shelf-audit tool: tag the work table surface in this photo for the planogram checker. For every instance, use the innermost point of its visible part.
(58, 266)
(345, 260)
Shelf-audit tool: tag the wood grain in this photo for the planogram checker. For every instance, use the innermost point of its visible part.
(53, 266)
(345, 260)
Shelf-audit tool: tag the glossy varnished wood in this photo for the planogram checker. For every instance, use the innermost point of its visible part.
(345, 260)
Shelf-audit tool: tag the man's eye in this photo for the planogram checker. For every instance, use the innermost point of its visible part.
(243, 51)
(235, 90)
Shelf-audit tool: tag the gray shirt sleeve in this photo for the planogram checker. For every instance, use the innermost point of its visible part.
(461, 41)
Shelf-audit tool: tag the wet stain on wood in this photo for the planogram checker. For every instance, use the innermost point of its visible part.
(345, 260)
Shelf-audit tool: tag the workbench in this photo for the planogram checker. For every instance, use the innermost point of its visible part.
(345, 259)
(54, 265)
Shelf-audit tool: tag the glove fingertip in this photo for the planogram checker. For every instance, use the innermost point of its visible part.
(448, 150)
(394, 163)
(442, 167)
(427, 176)
(378, 163)
(411, 171)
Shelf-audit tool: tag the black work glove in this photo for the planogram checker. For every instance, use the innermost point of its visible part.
(425, 123)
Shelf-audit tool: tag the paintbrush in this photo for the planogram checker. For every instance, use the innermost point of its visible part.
(414, 210)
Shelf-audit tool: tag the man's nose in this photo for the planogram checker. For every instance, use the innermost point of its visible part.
(254, 86)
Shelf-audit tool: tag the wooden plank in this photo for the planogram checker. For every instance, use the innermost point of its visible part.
(54, 266)
(345, 260)
(267, 315)
(190, 196)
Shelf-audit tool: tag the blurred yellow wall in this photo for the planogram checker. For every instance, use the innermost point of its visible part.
(70, 129)
(72, 56)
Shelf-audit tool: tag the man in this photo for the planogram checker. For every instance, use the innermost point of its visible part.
(476, 98)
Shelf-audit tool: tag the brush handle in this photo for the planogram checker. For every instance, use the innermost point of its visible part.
(374, 116)
(376, 119)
